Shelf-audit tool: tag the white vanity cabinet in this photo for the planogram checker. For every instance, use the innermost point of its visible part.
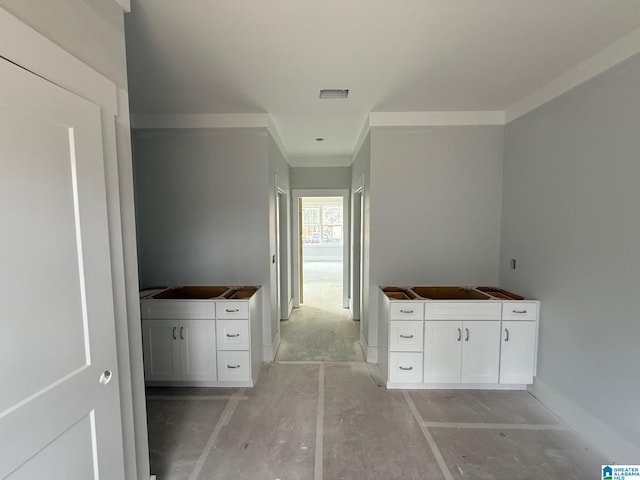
(518, 342)
(202, 342)
(487, 343)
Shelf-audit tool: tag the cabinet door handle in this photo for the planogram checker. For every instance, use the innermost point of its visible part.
(407, 311)
(406, 336)
(459, 334)
(518, 311)
(181, 333)
(233, 366)
(506, 334)
(405, 368)
(232, 310)
(232, 335)
(174, 333)
(466, 334)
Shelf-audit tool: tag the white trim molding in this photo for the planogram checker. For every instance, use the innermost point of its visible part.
(269, 351)
(428, 119)
(24, 46)
(320, 162)
(275, 134)
(605, 59)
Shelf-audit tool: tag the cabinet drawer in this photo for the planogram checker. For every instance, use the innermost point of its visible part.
(232, 334)
(465, 310)
(177, 309)
(406, 311)
(519, 310)
(405, 367)
(406, 336)
(232, 310)
(234, 366)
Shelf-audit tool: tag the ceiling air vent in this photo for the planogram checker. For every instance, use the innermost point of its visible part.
(334, 93)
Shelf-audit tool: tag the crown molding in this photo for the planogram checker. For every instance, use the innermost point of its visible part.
(320, 162)
(275, 134)
(427, 119)
(604, 60)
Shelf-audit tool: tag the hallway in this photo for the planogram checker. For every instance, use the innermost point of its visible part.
(321, 330)
(323, 420)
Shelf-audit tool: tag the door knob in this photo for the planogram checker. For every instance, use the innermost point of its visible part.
(105, 377)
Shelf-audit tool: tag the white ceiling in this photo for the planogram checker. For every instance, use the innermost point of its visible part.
(273, 56)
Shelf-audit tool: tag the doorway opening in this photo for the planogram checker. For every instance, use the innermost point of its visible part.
(321, 327)
(322, 255)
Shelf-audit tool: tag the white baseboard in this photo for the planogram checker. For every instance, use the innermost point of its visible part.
(605, 440)
(370, 352)
(269, 351)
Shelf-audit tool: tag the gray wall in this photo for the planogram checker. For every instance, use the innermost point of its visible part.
(435, 207)
(205, 201)
(320, 177)
(570, 218)
(201, 201)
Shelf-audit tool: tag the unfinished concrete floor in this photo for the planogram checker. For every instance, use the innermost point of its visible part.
(322, 420)
(319, 413)
(321, 329)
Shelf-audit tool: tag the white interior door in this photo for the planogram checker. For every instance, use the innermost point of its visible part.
(59, 406)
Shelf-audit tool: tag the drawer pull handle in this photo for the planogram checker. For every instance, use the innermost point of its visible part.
(459, 334)
(406, 336)
(518, 311)
(466, 334)
(405, 368)
(233, 366)
(232, 335)
(181, 333)
(232, 310)
(506, 334)
(407, 311)
(174, 333)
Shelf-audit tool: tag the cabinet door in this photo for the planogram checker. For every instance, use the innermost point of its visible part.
(161, 350)
(480, 352)
(442, 351)
(197, 349)
(517, 352)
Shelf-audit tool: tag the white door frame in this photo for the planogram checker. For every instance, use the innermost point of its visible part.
(356, 253)
(297, 257)
(30, 49)
(283, 249)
